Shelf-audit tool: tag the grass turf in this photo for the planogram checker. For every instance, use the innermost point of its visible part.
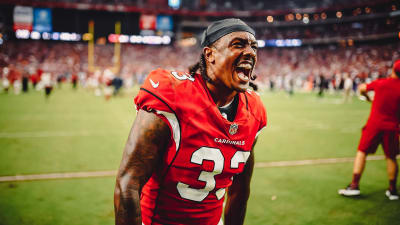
(293, 195)
(76, 131)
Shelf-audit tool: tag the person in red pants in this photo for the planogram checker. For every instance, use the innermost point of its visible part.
(382, 128)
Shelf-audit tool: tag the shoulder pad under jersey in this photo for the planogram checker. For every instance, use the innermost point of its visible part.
(159, 90)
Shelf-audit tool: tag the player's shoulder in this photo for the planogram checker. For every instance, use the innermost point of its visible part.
(157, 77)
(166, 87)
(255, 104)
(394, 84)
(393, 80)
(254, 98)
(385, 82)
(163, 79)
(170, 74)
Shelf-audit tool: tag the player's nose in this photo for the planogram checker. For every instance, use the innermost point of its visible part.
(250, 53)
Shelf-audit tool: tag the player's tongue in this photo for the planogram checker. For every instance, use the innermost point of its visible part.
(243, 71)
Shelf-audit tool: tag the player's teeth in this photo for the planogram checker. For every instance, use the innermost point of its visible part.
(245, 66)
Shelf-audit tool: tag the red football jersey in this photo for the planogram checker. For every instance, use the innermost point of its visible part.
(385, 109)
(205, 150)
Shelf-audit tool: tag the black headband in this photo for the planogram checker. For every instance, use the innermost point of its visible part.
(220, 28)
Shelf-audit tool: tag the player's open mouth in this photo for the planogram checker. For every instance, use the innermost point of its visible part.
(243, 70)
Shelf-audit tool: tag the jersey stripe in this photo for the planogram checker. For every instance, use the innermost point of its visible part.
(260, 131)
(176, 129)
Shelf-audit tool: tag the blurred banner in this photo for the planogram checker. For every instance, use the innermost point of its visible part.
(164, 23)
(147, 22)
(23, 17)
(42, 20)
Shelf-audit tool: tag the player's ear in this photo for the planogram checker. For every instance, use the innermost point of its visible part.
(209, 54)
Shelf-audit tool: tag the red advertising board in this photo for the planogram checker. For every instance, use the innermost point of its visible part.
(23, 18)
(147, 22)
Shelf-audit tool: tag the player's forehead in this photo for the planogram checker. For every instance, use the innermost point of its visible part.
(237, 35)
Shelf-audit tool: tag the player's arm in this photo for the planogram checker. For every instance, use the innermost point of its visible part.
(143, 151)
(238, 194)
(362, 88)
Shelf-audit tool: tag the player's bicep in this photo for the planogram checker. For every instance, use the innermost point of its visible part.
(146, 144)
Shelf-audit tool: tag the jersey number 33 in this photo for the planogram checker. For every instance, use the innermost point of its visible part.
(214, 155)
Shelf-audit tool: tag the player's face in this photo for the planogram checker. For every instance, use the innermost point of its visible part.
(235, 58)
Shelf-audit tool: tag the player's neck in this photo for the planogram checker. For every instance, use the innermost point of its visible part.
(221, 95)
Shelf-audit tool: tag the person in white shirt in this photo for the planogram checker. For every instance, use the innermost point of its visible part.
(347, 88)
(47, 83)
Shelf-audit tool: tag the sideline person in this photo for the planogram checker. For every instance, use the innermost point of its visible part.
(382, 128)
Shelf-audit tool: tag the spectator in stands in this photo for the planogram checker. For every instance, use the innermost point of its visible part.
(300, 63)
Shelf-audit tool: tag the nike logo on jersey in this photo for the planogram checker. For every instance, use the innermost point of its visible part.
(155, 85)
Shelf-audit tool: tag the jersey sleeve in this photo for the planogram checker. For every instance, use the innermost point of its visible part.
(157, 93)
(258, 110)
(372, 86)
(263, 117)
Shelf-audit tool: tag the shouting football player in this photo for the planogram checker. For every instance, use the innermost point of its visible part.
(193, 137)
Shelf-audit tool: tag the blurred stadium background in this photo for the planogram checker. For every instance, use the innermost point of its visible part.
(58, 156)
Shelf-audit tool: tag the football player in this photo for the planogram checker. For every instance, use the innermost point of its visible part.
(192, 139)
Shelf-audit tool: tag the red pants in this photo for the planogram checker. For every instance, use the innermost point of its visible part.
(371, 137)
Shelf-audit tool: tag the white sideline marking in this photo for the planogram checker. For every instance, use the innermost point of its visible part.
(51, 176)
(312, 162)
(111, 173)
(45, 134)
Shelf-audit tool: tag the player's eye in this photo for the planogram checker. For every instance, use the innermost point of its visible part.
(238, 44)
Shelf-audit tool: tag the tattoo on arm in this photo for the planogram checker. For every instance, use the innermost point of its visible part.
(143, 151)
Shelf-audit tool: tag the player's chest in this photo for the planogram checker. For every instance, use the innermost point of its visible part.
(208, 127)
(213, 144)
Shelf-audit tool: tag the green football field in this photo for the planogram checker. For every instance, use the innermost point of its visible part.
(75, 131)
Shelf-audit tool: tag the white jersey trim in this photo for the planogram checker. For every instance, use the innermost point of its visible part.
(260, 131)
(173, 122)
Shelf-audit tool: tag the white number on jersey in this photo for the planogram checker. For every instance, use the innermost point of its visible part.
(215, 155)
(183, 76)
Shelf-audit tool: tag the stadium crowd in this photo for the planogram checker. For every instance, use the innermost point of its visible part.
(323, 31)
(279, 68)
(219, 5)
